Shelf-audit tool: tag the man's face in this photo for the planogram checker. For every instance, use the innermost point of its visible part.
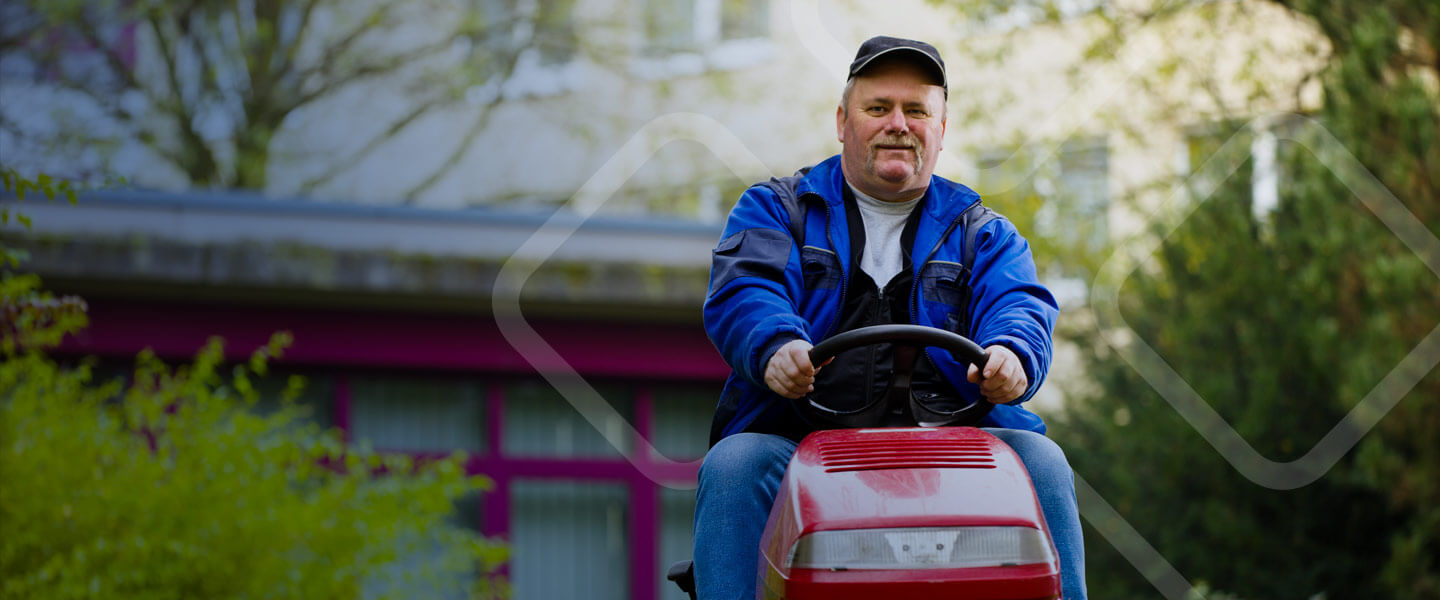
(891, 128)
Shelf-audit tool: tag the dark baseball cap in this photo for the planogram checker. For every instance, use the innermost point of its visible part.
(921, 53)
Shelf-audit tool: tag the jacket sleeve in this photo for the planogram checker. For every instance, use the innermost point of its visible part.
(750, 309)
(1009, 306)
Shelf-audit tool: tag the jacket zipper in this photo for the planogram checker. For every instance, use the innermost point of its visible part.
(844, 277)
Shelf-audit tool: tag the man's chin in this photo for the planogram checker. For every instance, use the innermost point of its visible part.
(896, 174)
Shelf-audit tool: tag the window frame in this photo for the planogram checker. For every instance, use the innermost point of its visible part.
(533, 75)
(710, 49)
(645, 523)
(1040, 174)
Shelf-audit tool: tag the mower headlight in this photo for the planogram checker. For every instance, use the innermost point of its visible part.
(921, 548)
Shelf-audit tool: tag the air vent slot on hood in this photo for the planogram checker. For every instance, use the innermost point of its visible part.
(902, 453)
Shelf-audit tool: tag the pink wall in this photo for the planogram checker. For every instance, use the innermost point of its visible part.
(397, 340)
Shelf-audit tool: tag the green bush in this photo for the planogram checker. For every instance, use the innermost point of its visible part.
(171, 486)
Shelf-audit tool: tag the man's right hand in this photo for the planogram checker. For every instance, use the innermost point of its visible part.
(789, 372)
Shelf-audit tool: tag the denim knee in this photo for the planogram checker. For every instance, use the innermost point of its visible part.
(1043, 458)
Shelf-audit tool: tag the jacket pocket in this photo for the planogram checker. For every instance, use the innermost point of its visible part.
(821, 268)
(945, 282)
(750, 253)
(948, 284)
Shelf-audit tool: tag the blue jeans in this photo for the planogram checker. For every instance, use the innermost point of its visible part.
(741, 477)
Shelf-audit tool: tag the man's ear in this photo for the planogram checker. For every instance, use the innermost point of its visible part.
(840, 123)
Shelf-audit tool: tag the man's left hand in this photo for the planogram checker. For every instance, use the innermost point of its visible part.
(1004, 378)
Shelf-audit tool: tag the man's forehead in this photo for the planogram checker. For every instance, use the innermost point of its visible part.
(885, 98)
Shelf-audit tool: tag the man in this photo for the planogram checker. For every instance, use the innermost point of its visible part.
(864, 238)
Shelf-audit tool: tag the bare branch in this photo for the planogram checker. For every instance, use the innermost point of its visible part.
(209, 76)
(262, 65)
(375, 142)
(288, 60)
(239, 49)
(202, 167)
(418, 111)
(257, 69)
(389, 65)
(113, 60)
(343, 46)
(462, 149)
(105, 99)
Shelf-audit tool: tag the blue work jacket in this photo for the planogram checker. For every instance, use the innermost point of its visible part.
(767, 288)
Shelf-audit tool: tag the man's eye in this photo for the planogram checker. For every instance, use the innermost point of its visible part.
(917, 112)
(875, 110)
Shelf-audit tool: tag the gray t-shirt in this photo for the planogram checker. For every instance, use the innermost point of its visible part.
(884, 222)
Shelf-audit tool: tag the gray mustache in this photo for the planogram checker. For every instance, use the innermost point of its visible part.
(914, 144)
(896, 141)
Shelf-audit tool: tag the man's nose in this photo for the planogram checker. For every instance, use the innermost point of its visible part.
(896, 123)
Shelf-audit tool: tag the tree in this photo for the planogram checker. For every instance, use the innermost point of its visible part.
(1280, 319)
(209, 87)
(1275, 332)
(172, 485)
(1383, 103)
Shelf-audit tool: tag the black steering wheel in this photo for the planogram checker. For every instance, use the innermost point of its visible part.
(907, 341)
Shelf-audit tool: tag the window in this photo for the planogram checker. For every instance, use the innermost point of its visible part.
(315, 401)
(1202, 145)
(568, 490)
(744, 19)
(988, 19)
(673, 27)
(681, 428)
(75, 51)
(568, 540)
(420, 572)
(669, 27)
(541, 422)
(513, 36)
(1261, 151)
(417, 414)
(1081, 183)
(1064, 200)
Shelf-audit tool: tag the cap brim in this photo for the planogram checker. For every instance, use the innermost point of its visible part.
(928, 60)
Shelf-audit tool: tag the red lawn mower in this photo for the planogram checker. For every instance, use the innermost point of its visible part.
(902, 511)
